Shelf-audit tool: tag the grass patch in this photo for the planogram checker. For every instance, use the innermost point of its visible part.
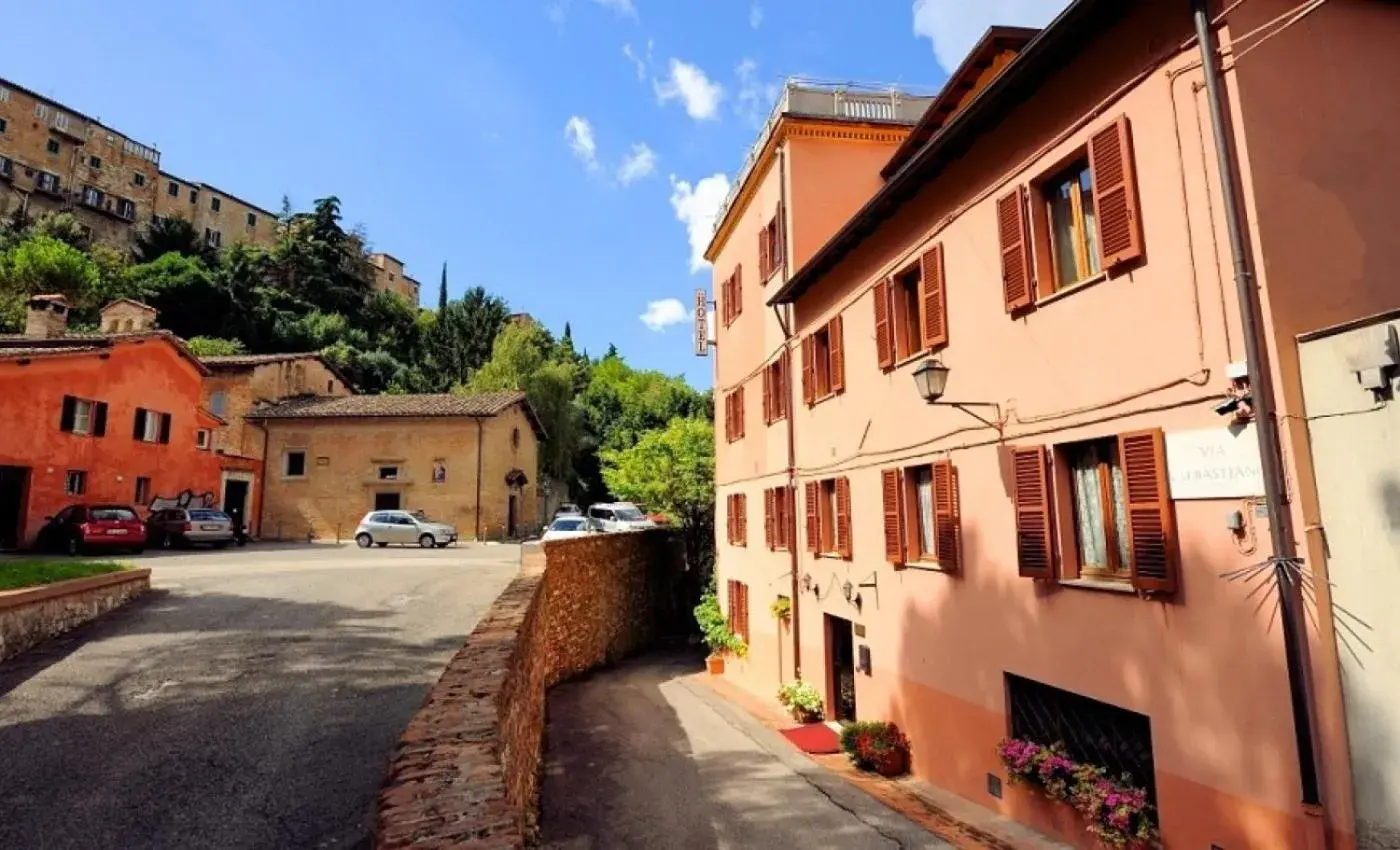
(31, 572)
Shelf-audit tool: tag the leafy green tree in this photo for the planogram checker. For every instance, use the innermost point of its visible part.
(391, 323)
(63, 226)
(442, 291)
(42, 264)
(183, 289)
(212, 346)
(520, 360)
(169, 235)
(465, 335)
(672, 470)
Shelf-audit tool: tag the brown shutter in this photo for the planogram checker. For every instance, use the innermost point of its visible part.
(809, 376)
(789, 523)
(729, 417)
(933, 298)
(884, 339)
(1115, 194)
(743, 508)
(738, 292)
(1151, 526)
(1033, 535)
(843, 517)
(764, 255)
(836, 345)
(724, 298)
(769, 538)
(741, 415)
(1015, 250)
(810, 496)
(768, 395)
(729, 518)
(894, 534)
(780, 238)
(947, 516)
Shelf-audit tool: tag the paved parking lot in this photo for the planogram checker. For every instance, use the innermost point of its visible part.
(251, 700)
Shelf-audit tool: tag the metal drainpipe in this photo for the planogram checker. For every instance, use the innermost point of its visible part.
(479, 442)
(262, 480)
(788, 329)
(1270, 449)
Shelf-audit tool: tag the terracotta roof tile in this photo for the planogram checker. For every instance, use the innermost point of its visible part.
(237, 361)
(442, 404)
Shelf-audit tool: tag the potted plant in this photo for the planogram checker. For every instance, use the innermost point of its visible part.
(781, 609)
(1117, 813)
(877, 746)
(802, 701)
(715, 632)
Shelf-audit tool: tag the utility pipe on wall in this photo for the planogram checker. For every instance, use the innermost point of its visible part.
(1270, 447)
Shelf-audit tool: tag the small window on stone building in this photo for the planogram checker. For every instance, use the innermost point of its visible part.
(201, 439)
(172, 189)
(94, 162)
(194, 196)
(218, 403)
(388, 473)
(215, 204)
(252, 221)
(515, 438)
(53, 147)
(138, 180)
(3, 125)
(294, 464)
(75, 483)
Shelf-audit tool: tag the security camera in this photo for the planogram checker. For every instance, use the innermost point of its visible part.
(1228, 406)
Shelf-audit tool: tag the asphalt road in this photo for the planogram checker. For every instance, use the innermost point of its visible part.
(250, 701)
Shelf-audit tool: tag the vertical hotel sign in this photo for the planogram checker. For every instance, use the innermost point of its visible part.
(702, 324)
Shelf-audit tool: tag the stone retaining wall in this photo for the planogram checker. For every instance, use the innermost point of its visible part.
(466, 772)
(35, 614)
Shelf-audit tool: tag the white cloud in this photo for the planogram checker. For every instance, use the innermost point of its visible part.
(636, 165)
(622, 7)
(756, 98)
(642, 62)
(954, 26)
(689, 84)
(755, 16)
(580, 135)
(697, 207)
(660, 315)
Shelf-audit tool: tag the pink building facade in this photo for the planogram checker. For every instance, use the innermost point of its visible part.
(1050, 558)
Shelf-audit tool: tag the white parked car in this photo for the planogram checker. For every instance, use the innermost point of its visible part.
(380, 528)
(566, 527)
(619, 516)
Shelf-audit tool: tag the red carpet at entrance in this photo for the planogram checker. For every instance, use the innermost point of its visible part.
(814, 738)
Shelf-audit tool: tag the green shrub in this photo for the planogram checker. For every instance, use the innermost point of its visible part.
(714, 628)
(867, 741)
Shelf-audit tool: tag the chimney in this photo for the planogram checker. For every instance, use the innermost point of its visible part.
(126, 316)
(48, 317)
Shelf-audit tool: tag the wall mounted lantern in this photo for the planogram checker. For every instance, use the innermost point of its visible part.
(931, 379)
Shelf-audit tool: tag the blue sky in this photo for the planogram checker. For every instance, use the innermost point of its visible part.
(564, 154)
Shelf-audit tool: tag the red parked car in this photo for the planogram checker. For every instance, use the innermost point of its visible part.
(80, 528)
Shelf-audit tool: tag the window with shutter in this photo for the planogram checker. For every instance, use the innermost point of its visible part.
(765, 259)
(1151, 525)
(884, 340)
(837, 346)
(890, 488)
(947, 517)
(165, 420)
(743, 509)
(810, 497)
(1034, 544)
(739, 423)
(67, 414)
(770, 537)
(99, 419)
(768, 395)
(844, 547)
(809, 374)
(933, 298)
(138, 427)
(738, 291)
(1015, 251)
(1115, 194)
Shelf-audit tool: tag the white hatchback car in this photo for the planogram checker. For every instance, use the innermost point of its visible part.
(568, 526)
(619, 516)
(380, 528)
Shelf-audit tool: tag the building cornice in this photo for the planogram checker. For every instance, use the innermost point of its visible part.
(796, 126)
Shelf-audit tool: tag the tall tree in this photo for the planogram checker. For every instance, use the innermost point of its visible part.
(442, 291)
(672, 470)
(169, 235)
(466, 333)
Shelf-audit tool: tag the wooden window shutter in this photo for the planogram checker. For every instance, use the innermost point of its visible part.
(836, 342)
(947, 516)
(99, 419)
(70, 413)
(732, 604)
(843, 517)
(884, 338)
(814, 531)
(738, 292)
(1115, 194)
(740, 415)
(809, 372)
(765, 256)
(780, 237)
(1015, 251)
(729, 518)
(768, 395)
(894, 532)
(787, 529)
(933, 298)
(769, 537)
(1152, 552)
(741, 505)
(1034, 538)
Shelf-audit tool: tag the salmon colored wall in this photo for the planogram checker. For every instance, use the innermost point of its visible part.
(149, 374)
(1144, 349)
(831, 179)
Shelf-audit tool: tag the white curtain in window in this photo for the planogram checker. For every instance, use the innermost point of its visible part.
(923, 483)
(1120, 511)
(1088, 509)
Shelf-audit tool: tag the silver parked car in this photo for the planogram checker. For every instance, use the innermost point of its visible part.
(182, 527)
(380, 528)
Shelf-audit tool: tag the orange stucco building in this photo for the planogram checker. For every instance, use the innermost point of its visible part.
(1048, 561)
(111, 417)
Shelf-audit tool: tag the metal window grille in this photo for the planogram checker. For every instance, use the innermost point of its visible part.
(1091, 731)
